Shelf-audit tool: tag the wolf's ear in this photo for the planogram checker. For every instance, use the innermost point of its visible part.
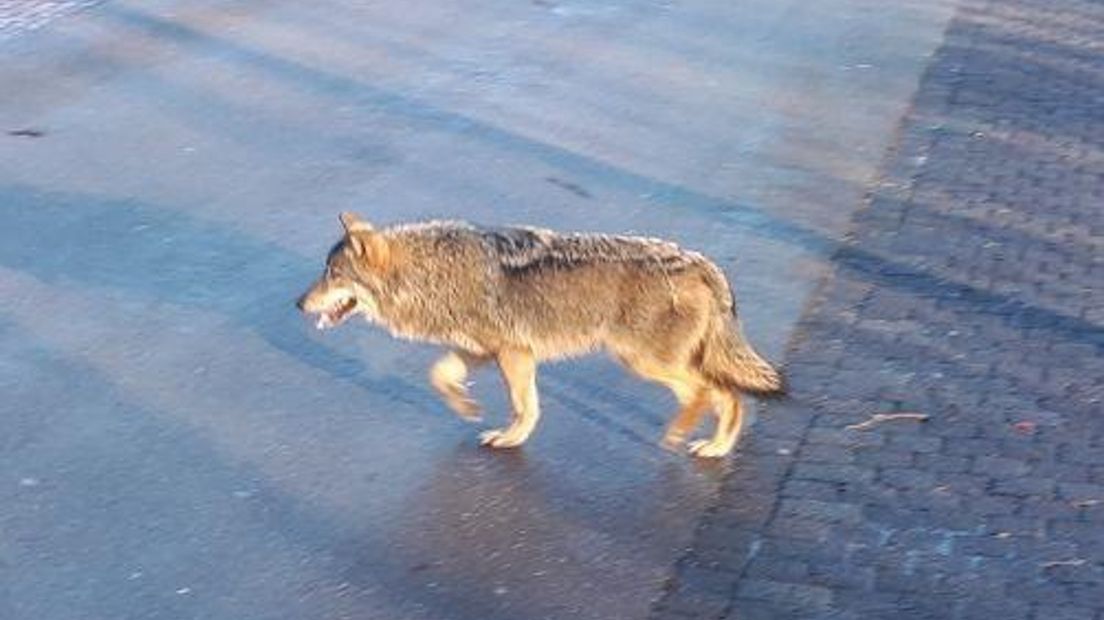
(352, 222)
(370, 246)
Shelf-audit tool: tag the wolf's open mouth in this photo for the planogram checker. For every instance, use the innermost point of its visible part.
(336, 313)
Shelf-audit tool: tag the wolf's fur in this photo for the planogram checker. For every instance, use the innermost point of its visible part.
(520, 296)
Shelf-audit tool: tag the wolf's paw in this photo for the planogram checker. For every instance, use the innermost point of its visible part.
(457, 398)
(672, 441)
(465, 407)
(499, 438)
(707, 449)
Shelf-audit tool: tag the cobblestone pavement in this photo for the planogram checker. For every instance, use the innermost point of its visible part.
(18, 16)
(971, 291)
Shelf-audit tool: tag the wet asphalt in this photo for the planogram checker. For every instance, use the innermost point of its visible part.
(178, 443)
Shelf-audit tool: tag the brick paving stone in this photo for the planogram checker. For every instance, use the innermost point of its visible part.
(972, 290)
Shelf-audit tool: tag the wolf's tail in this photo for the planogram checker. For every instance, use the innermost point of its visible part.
(724, 356)
(728, 361)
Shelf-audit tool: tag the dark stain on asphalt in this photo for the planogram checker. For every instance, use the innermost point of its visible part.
(569, 186)
(27, 133)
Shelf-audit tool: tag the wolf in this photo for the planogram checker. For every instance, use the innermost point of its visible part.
(519, 296)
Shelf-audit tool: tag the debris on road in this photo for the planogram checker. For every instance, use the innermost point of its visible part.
(1057, 563)
(878, 418)
(1025, 427)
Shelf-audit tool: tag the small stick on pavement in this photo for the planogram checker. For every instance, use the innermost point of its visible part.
(1073, 562)
(885, 417)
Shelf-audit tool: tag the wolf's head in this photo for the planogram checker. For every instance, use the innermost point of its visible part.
(351, 281)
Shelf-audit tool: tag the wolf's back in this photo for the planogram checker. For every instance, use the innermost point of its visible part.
(526, 248)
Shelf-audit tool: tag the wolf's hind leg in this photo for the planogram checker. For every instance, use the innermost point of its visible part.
(519, 371)
(690, 391)
(449, 376)
(730, 421)
(693, 401)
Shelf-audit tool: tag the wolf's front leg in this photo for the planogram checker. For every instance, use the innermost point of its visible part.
(519, 370)
(449, 377)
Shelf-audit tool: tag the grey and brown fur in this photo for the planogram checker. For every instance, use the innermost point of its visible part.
(521, 296)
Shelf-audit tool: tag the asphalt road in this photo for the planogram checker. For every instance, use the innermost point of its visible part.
(177, 443)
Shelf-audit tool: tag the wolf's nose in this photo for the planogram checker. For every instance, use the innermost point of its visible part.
(299, 302)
